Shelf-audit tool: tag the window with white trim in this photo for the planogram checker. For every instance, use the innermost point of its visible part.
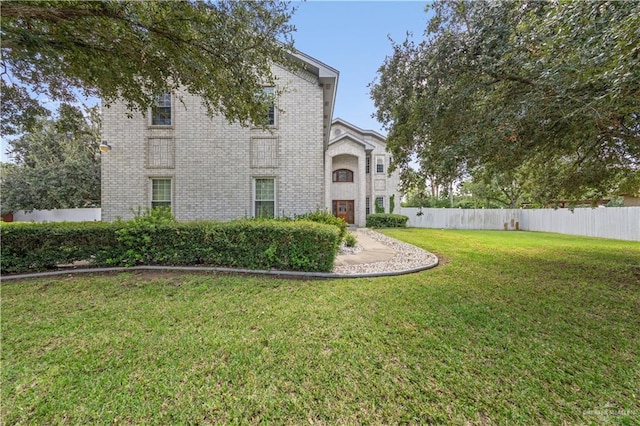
(161, 192)
(161, 110)
(270, 93)
(379, 164)
(264, 197)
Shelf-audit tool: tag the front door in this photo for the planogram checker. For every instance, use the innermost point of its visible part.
(344, 209)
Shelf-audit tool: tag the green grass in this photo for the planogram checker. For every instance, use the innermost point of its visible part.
(511, 328)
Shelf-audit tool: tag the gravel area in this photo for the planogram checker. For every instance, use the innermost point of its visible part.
(344, 249)
(407, 257)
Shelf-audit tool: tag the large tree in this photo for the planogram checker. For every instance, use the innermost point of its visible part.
(505, 189)
(56, 163)
(132, 50)
(551, 87)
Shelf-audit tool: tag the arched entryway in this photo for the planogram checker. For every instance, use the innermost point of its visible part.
(345, 179)
(345, 191)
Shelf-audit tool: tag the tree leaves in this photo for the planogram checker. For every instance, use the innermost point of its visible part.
(56, 164)
(221, 51)
(553, 88)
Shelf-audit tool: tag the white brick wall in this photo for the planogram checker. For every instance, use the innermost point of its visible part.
(381, 184)
(345, 190)
(212, 173)
(375, 184)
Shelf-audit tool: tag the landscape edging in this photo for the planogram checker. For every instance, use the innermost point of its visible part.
(292, 274)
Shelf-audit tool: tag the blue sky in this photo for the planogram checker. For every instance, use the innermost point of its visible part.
(352, 37)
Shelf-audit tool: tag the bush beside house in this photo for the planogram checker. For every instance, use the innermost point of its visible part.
(386, 220)
(252, 244)
(326, 218)
(41, 246)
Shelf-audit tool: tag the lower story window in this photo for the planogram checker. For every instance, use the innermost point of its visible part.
(160, 192)
(368, 206)
(380, 204)
(265, 199)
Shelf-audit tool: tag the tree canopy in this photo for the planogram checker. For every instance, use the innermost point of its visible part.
(132, 50)
(546, 90)
(56, 163)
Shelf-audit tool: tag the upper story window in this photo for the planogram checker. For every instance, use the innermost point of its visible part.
(380, 164)
(368, 165)
(343, 175)
(270, 94)
(161, 110)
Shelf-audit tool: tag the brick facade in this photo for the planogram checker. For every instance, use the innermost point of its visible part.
(213, 163)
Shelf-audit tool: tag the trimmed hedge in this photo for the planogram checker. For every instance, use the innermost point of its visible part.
(327, 218)
(386, 220)
(39, 247)
(266, 244)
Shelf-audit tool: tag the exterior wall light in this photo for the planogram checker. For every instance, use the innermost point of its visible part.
(105, 147)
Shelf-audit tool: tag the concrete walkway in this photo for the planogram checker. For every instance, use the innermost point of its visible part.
(372, 251)
(381, 255)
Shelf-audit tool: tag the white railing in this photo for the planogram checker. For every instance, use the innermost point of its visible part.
(622, 223)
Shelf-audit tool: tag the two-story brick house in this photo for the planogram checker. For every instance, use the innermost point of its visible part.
(205, 168)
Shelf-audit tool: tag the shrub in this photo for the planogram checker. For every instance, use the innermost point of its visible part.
(154, 216)
(327, 218)
(42, 246)
(250, 244)
(350, 240)
(381, 220)
(150, 240)
(139, 237)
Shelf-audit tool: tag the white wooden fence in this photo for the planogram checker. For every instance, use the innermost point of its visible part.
(622, 223)
(462, 218)
(59, 215)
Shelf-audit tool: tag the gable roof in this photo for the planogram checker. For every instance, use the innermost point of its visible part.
(366, 145)
(328, 80)
(359, 130)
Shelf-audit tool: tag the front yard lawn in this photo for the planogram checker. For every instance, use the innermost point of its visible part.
(511, 328)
